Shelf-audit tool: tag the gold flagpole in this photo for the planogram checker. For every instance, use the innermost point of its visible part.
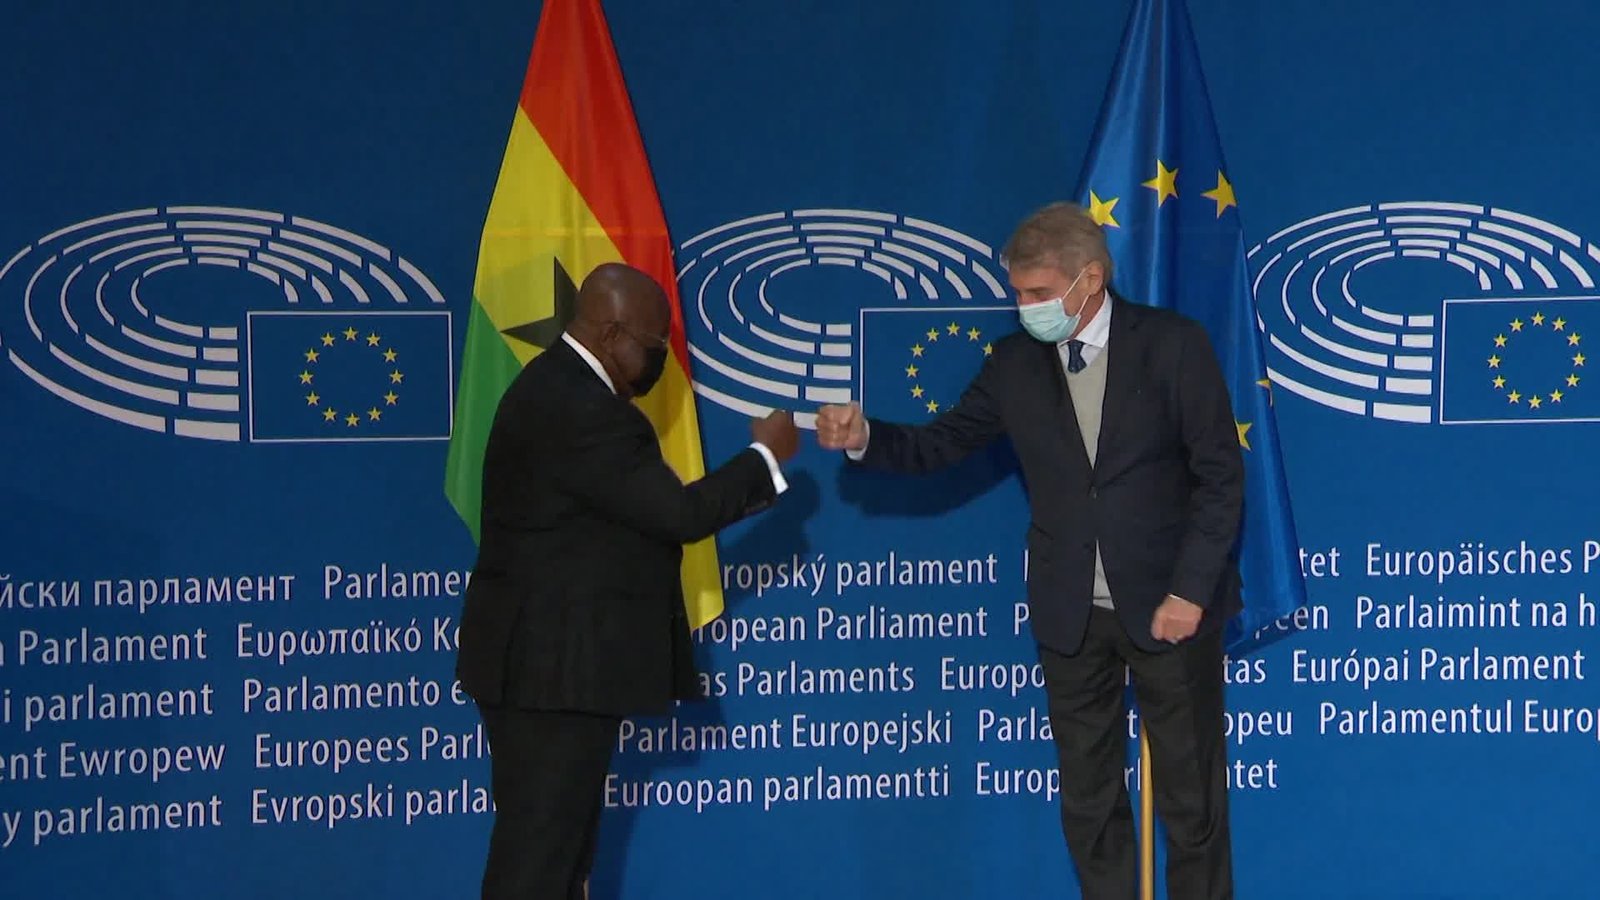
(1147, 822)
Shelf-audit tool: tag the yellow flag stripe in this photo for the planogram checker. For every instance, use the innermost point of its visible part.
(672, 402)
(536, 217)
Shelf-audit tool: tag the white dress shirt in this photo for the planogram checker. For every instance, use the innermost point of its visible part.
(1094, 335)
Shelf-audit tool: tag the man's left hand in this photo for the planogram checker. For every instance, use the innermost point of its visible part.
(1176, 619)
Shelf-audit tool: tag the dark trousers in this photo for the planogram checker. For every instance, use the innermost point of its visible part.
(548, 770)
(1180, 706)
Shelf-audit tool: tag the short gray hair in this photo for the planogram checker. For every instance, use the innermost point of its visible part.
(1062, 235)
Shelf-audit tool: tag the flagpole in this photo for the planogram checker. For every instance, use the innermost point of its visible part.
(1147, 823)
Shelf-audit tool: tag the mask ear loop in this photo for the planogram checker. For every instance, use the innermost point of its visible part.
(1082, 306)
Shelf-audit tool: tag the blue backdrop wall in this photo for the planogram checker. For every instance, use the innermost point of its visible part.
(226, 636)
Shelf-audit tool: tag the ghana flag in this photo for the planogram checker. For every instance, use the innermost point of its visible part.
(574, 192)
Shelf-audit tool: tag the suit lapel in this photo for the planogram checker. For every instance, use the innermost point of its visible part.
(1124, 357)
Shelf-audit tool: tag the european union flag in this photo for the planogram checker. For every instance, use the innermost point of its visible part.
(349, 376)
(1518, 360)
(1156, 182)
(916, 362)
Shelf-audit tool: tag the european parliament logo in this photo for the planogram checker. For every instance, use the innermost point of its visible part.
(230, 324)
(1432, 313)
(812, 306)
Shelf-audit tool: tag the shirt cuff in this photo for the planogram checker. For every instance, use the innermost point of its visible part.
(779, 485)
(856, 455)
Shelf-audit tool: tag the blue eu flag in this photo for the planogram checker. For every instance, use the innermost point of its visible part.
(1517, 360)
(1156, 182)
(349, 376)
(916, 362)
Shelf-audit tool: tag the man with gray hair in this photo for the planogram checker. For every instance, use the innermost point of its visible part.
(1121, 421)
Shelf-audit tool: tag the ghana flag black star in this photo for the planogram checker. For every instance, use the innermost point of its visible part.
(543, 333)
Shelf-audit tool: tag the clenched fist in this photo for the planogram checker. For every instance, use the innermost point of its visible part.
(1176, 620)
(777, 433)
(842, 427)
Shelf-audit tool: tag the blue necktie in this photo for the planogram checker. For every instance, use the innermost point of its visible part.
(1075, 361)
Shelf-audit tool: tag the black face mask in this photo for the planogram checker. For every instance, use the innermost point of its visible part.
(655, 362)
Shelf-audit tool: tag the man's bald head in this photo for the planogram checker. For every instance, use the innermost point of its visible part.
(617, 292)
(623, 318)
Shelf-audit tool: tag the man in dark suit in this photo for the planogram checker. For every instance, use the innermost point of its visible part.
(575, 614)
(1120, 419)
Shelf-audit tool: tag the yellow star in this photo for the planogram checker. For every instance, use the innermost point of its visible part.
(1578, 360)
(1534, 401)
(1499, 340)
(1266, 385)
(1538, 319)
(396, 377)
(1100, 210)
(390, 398)
(916, 349)
(933, 406)
(312, 398)
(911, 371)
(953, 328)
(933, 335)
(1573, 339)
(1572, 380)
(311, 355)
(305, 377)
(1222, 194)
(390, 356)
(352, 420)
(1244, 428)
(1514, 397)
(372, 340)
(988, 349)
(329, 414)
(1516, 324)
(973, 334)
(1499, 382)
(374, 414)
(1494, 362)
(916, 391)
(1165, 184)
(327, 340)
(1559, 324)
(1556, 395)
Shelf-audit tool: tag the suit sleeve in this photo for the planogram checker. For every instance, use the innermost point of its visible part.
(972, 423)
(613, 464)
(1216, 471)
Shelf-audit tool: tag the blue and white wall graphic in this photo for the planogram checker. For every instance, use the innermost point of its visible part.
(236, 267)
(1387, 357)
(751, 357)
(93, 319)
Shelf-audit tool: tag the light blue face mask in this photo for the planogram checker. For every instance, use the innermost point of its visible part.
(1048, 321)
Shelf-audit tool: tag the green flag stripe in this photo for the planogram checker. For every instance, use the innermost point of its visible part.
(487, 367)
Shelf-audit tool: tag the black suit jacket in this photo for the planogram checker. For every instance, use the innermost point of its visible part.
(576, 601)
(1163, 498)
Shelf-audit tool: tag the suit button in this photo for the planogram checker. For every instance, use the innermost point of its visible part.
(1094, 494)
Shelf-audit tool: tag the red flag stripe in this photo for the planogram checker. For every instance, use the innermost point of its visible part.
(574, 95)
